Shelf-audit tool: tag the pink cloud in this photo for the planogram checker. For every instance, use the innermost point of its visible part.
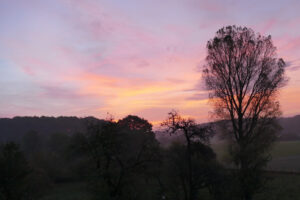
(268, 25)
(28, 70)
(100, 58)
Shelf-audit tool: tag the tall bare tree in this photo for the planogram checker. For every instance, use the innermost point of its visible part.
(243, 76)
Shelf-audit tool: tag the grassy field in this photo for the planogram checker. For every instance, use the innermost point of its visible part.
(289, 148)
(285, 155)
(281, 187)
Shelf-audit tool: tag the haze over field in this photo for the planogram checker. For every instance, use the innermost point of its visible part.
(65, 57)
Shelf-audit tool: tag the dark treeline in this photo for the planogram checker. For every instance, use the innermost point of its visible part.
(117, 160)
(13, 129)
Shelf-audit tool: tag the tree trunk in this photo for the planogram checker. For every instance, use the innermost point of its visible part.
(191, 192)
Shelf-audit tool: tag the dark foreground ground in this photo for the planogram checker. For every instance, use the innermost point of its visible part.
(68, 191)
(281, 187)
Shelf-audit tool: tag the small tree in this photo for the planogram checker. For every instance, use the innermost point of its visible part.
(123, 153)
(192, 175)
(243, 75)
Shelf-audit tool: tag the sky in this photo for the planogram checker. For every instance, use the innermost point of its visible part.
(141, 57)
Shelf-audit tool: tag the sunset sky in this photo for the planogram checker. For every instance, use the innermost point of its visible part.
(141, 57)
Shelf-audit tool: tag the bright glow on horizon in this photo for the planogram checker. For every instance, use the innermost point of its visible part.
(90, 57)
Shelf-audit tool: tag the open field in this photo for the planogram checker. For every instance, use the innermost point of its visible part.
(285, 155)
(280, 187)
(288, 148)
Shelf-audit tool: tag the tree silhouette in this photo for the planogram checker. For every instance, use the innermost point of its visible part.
(243, 76)
(13, 172)
(123, 152)
(189, 158)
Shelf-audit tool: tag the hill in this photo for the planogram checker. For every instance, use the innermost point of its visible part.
(15, 128)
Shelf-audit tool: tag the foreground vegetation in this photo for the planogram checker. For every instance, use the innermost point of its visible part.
(60, 171)
(280, 187)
